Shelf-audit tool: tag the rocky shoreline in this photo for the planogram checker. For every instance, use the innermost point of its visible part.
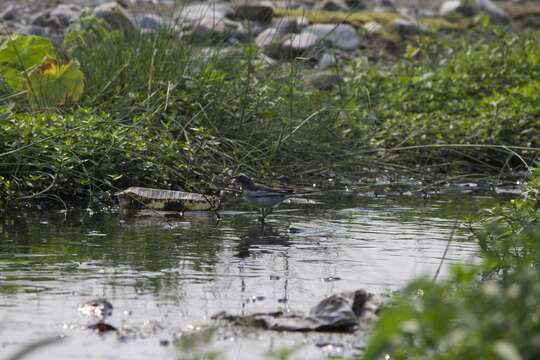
(283, 30)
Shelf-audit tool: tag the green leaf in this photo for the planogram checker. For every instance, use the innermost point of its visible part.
(388, 326)
(23, 52)
(13, 78)
(53, 84)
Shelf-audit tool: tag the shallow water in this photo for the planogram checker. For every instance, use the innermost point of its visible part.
(167, 277)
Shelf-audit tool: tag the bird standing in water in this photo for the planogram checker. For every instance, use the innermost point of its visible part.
(265, 198)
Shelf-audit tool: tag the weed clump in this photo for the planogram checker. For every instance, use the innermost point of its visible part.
(488, 312)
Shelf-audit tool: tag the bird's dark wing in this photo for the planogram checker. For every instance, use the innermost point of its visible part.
(277, 191)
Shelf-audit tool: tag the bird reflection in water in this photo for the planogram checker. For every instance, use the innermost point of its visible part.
(260, 239)
(263, 239)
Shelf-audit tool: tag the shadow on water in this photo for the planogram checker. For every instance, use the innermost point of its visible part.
(180, 272)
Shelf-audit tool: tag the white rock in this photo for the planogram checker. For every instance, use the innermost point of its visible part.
(342, 36)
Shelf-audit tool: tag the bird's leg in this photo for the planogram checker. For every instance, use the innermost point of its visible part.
(263, 215)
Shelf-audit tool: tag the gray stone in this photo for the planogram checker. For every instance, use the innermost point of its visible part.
(99, 308)
(340, 312)
(495, 13)
(269, 37)
(332, 5)
(457, 7)
(299, 44)
(116, 16)
(290, 24)
(209, 28)
(384, 6)
(150, 22)
(373, 27)
(326, 61)
(57, 18)
(10, 13)
(199, 11)
(33, 30)
(253, 10)
(356, 4)
(65, 13)
(341, 36)
(406, 27)
(288, 4)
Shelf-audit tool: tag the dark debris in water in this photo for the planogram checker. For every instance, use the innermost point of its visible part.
(102, 328)
(343, 312)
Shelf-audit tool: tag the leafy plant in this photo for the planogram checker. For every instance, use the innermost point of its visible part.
(54, 84)
(19, 55)
(28, 63)
(87, 31)
(471, 315)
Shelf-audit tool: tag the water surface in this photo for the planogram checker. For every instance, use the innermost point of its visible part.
(165, 278)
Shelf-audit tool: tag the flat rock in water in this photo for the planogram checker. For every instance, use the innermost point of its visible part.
(167, 200)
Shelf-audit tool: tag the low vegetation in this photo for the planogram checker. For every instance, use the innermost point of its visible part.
(152, 110)
(485, 312)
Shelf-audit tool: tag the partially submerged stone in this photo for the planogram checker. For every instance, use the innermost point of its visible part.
(338, 313)
(98, 308)
(167, 200)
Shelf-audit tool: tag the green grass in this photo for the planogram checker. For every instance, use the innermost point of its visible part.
(163, 112)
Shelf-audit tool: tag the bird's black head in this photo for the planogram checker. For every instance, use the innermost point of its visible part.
(243, 179)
